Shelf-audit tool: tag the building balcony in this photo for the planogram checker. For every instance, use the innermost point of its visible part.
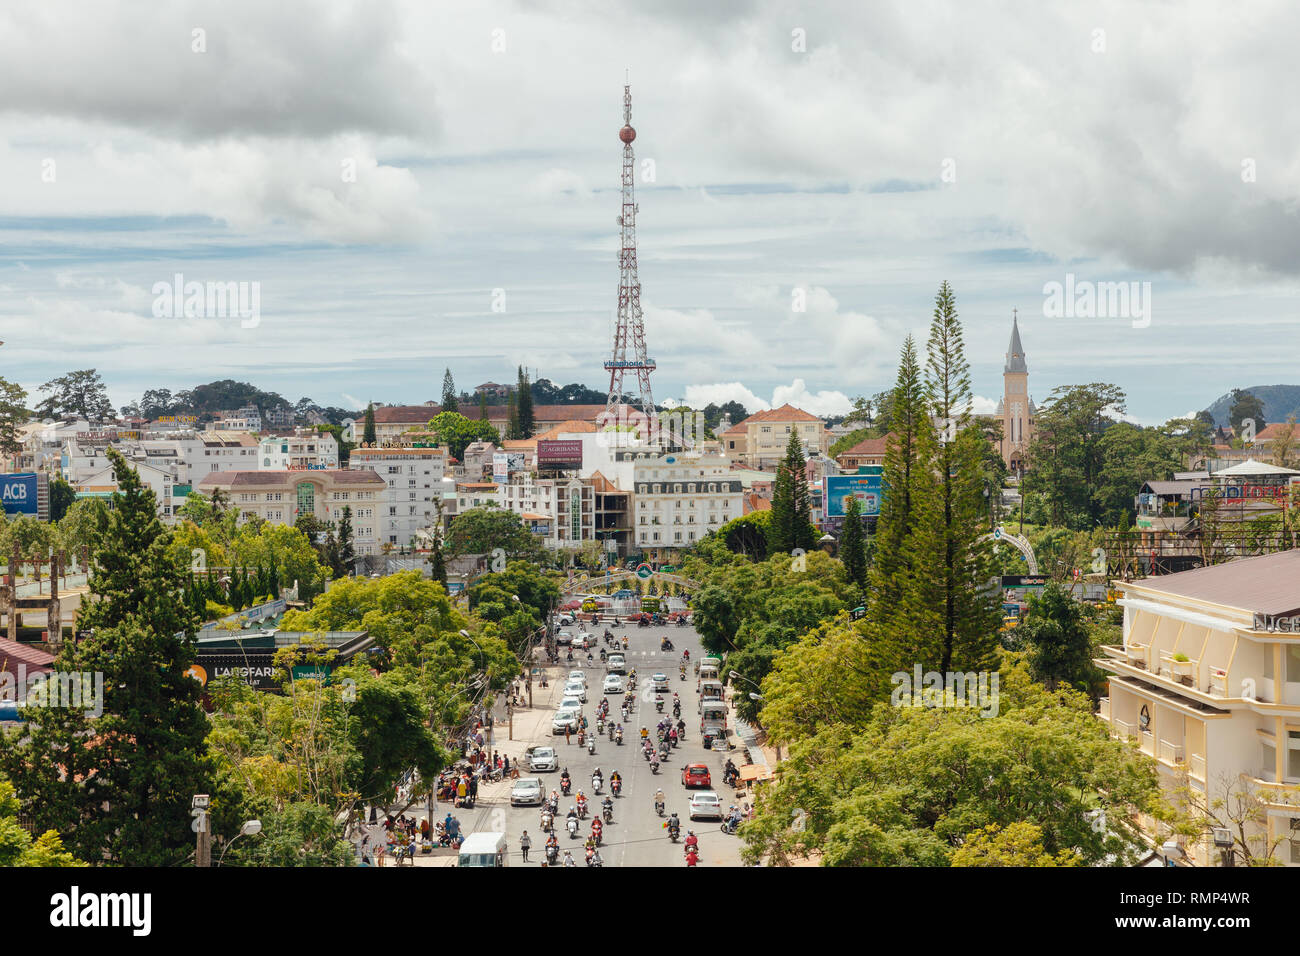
(1103, 709)
(1196, 767)
(1170, 752)
(1123, 729)
(1147, 743)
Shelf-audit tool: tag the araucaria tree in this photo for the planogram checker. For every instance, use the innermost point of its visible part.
(119, 785)
(853, 550)
(791, 503)
(449, 402)
(970, 614)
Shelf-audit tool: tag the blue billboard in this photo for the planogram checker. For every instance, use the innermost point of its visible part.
(18, 493)
(866, 488)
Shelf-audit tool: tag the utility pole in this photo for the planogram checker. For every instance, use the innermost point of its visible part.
(202, 827)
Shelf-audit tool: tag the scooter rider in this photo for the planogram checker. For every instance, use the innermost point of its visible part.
(659, 802)
(607, 806)
(692, 841)
(674, 825)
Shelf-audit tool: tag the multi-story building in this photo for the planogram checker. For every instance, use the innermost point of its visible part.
(102, 483)
(281, 497)
(301, 450)
(560, 511)
(393, 420)
(678, 500)
(760, 440)
(870, 451)
(1207, 683)
(221, 451)
(414, 480)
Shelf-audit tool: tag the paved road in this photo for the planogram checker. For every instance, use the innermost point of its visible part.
(637, 836)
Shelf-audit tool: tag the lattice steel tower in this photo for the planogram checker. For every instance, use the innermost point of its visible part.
(629, 336)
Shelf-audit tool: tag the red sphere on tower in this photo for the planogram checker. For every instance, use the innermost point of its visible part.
(627, 134)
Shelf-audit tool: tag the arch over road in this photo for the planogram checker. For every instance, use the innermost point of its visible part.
(585, 582)
(1003, 536)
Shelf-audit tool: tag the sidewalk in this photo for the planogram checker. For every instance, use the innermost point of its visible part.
(532, 726)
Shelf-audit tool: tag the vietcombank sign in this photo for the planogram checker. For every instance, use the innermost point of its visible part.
(20, 494)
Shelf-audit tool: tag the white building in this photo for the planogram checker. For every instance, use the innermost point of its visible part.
(1207, 683)
(302, 450)
(414, 480)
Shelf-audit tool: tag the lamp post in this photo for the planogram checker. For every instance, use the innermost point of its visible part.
(249, 828)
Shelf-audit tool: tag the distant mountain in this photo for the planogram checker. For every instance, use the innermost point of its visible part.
(1279, 402)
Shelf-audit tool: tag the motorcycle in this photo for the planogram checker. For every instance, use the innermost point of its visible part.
(659, 807)
(600, 726)
(625, 643)
(571, 823)
(616, 786)
(641, 623)
(683, 673)
(596, 783)
(552, 854)
(654, 766)
(608, 815)
(619, 738)
(729, 826)
(659, 705)
(591, 744)
(547, 823)
(611, 731)
(681, 622)
(665, 645)
(596, 831)
(565, 785)
(582, 738)
(582, 811)
(674, 831)
(663, 750)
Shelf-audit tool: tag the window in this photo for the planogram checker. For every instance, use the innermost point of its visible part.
(306, 498)
(1292, 664)
(1292, 755)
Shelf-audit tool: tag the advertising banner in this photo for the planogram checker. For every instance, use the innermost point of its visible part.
(19, 494)
(866, 488)
(559, 453)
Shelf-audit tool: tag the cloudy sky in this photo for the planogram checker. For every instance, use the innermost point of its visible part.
(383, 170)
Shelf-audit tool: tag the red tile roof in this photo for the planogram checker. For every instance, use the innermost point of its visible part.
(786, 413)
(278, 478)
(13, 653)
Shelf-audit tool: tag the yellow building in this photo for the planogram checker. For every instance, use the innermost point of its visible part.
(1016, 410)
(1207, 683)
(760, 440)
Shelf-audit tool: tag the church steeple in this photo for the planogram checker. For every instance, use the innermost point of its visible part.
(1015, 351)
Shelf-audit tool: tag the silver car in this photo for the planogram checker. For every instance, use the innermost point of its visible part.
(527, 791)
(543, 759)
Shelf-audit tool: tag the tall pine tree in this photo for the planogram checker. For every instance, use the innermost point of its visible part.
(512, 416)
(791, 525)
(119, 786)
(904, 624)
(368, 432)
(970, 614)
(449, 402)
(347, 553)
(527, 425)
(853, 550)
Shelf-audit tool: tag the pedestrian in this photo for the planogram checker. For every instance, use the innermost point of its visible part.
(473, 788)
(381, 851)
(505, 764)
(566, 735)
(525, 842)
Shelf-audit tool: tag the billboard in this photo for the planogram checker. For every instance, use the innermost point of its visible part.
(503, 463)
(866, 488)
(20, 494)
(566, 453)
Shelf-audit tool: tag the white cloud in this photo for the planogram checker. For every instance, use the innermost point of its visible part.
(698, 396)
(823, 404)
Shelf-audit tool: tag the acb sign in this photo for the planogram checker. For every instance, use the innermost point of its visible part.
(19, 494)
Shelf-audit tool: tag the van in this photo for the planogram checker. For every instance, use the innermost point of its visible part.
(617, 664)
(710, 690)
(484, 849)
(708, 672)
(713, 712)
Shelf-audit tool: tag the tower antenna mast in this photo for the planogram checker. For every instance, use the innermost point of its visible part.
(629, 353)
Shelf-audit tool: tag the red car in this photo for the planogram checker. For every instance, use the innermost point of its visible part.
(696, 775)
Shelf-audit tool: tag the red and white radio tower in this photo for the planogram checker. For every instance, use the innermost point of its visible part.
(629, 337)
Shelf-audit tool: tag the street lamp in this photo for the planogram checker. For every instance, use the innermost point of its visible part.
(250, 828)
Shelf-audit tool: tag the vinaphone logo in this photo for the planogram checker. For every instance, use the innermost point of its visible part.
(198, 672)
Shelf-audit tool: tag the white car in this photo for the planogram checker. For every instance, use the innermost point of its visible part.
(576, 689)
(565, 720)
(584, 641)
(543, 759)
(617, 664)
(578, 675)
(660, 683)
(705, 805)
(571, 703)
(527, 791)
(613, 684)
